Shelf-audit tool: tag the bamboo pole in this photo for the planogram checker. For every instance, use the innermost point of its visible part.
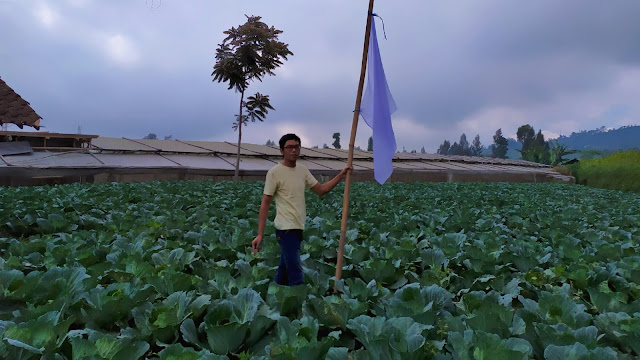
(354, 128)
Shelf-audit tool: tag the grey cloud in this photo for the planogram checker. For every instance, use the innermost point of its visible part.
(445, 62)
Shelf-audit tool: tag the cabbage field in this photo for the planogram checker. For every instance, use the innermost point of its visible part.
(432, 271)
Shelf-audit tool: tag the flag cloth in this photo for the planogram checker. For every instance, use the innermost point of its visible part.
(376, 108)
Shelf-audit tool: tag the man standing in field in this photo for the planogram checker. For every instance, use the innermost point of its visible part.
(286, 183)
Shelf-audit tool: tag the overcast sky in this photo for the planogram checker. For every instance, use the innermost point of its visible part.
(126, 68)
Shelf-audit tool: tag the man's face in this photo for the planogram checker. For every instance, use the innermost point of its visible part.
(291, 150)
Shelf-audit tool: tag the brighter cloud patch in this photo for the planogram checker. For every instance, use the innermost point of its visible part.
(121, 50)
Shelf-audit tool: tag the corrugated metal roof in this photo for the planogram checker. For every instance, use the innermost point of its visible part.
(119, 144)
(135, 160)
(337, 164)
(340, 153)
(406, 165)
(362, 163)
(482, 166)
(15, 147)
(526, 168)
(450, 165)
(423, 165)
(463, 165)
(404, 156)
(262, 149)
(363, 154)
(252, 164)
(52, 159)
(171, 146)
(121, 154)
(425, 156)
(314, 153)
(200, 154)
(201, 161)
(221, 147)
(312, 166)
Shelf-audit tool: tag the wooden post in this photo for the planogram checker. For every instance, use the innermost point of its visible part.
(354, 128)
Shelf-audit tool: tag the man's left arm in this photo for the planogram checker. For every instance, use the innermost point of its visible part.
(322, 189)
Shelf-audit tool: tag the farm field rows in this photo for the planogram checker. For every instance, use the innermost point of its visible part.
(432, 270)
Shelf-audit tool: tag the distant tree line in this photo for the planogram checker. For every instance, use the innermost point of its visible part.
(533, 147)
(152, 136)
(530, 145)
(462, 148)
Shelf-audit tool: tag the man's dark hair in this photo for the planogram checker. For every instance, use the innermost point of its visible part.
(287, 137)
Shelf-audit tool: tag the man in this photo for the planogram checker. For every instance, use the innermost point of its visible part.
(286, 183)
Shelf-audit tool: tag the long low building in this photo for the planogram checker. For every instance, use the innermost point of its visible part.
(48, 158)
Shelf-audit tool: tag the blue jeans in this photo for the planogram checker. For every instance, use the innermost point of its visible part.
(290, 268)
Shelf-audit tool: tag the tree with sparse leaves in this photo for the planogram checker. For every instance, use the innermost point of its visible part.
(541, 150)
(526, 136)
(248, 53)
(500, 145)
(455, 149)
(534, 147)
(476, 146)
(464, 145)
(444, 148)
(336, 140)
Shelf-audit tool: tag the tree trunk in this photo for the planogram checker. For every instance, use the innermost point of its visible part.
(236, 175)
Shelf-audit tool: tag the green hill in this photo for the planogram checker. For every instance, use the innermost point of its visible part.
(624, 138)
(599, 141)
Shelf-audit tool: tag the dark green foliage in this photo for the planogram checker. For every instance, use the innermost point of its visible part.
(455, 149)
(336, 140)
(256, 108)
(248, 53)
(444, 148)
(534, 147)
(476, 147)
(526, 136)
(464, 146)
(499, 147)
(558, 154)
(432, 271)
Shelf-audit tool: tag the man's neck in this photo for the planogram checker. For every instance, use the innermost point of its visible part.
(288, 163)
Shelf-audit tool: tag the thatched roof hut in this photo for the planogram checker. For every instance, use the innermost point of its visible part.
(16, 110)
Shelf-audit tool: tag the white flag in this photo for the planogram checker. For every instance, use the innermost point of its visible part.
(376, 108)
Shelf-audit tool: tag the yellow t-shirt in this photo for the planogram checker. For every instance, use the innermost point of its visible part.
(287, 186)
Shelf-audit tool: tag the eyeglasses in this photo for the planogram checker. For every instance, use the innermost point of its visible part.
(292, 147)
